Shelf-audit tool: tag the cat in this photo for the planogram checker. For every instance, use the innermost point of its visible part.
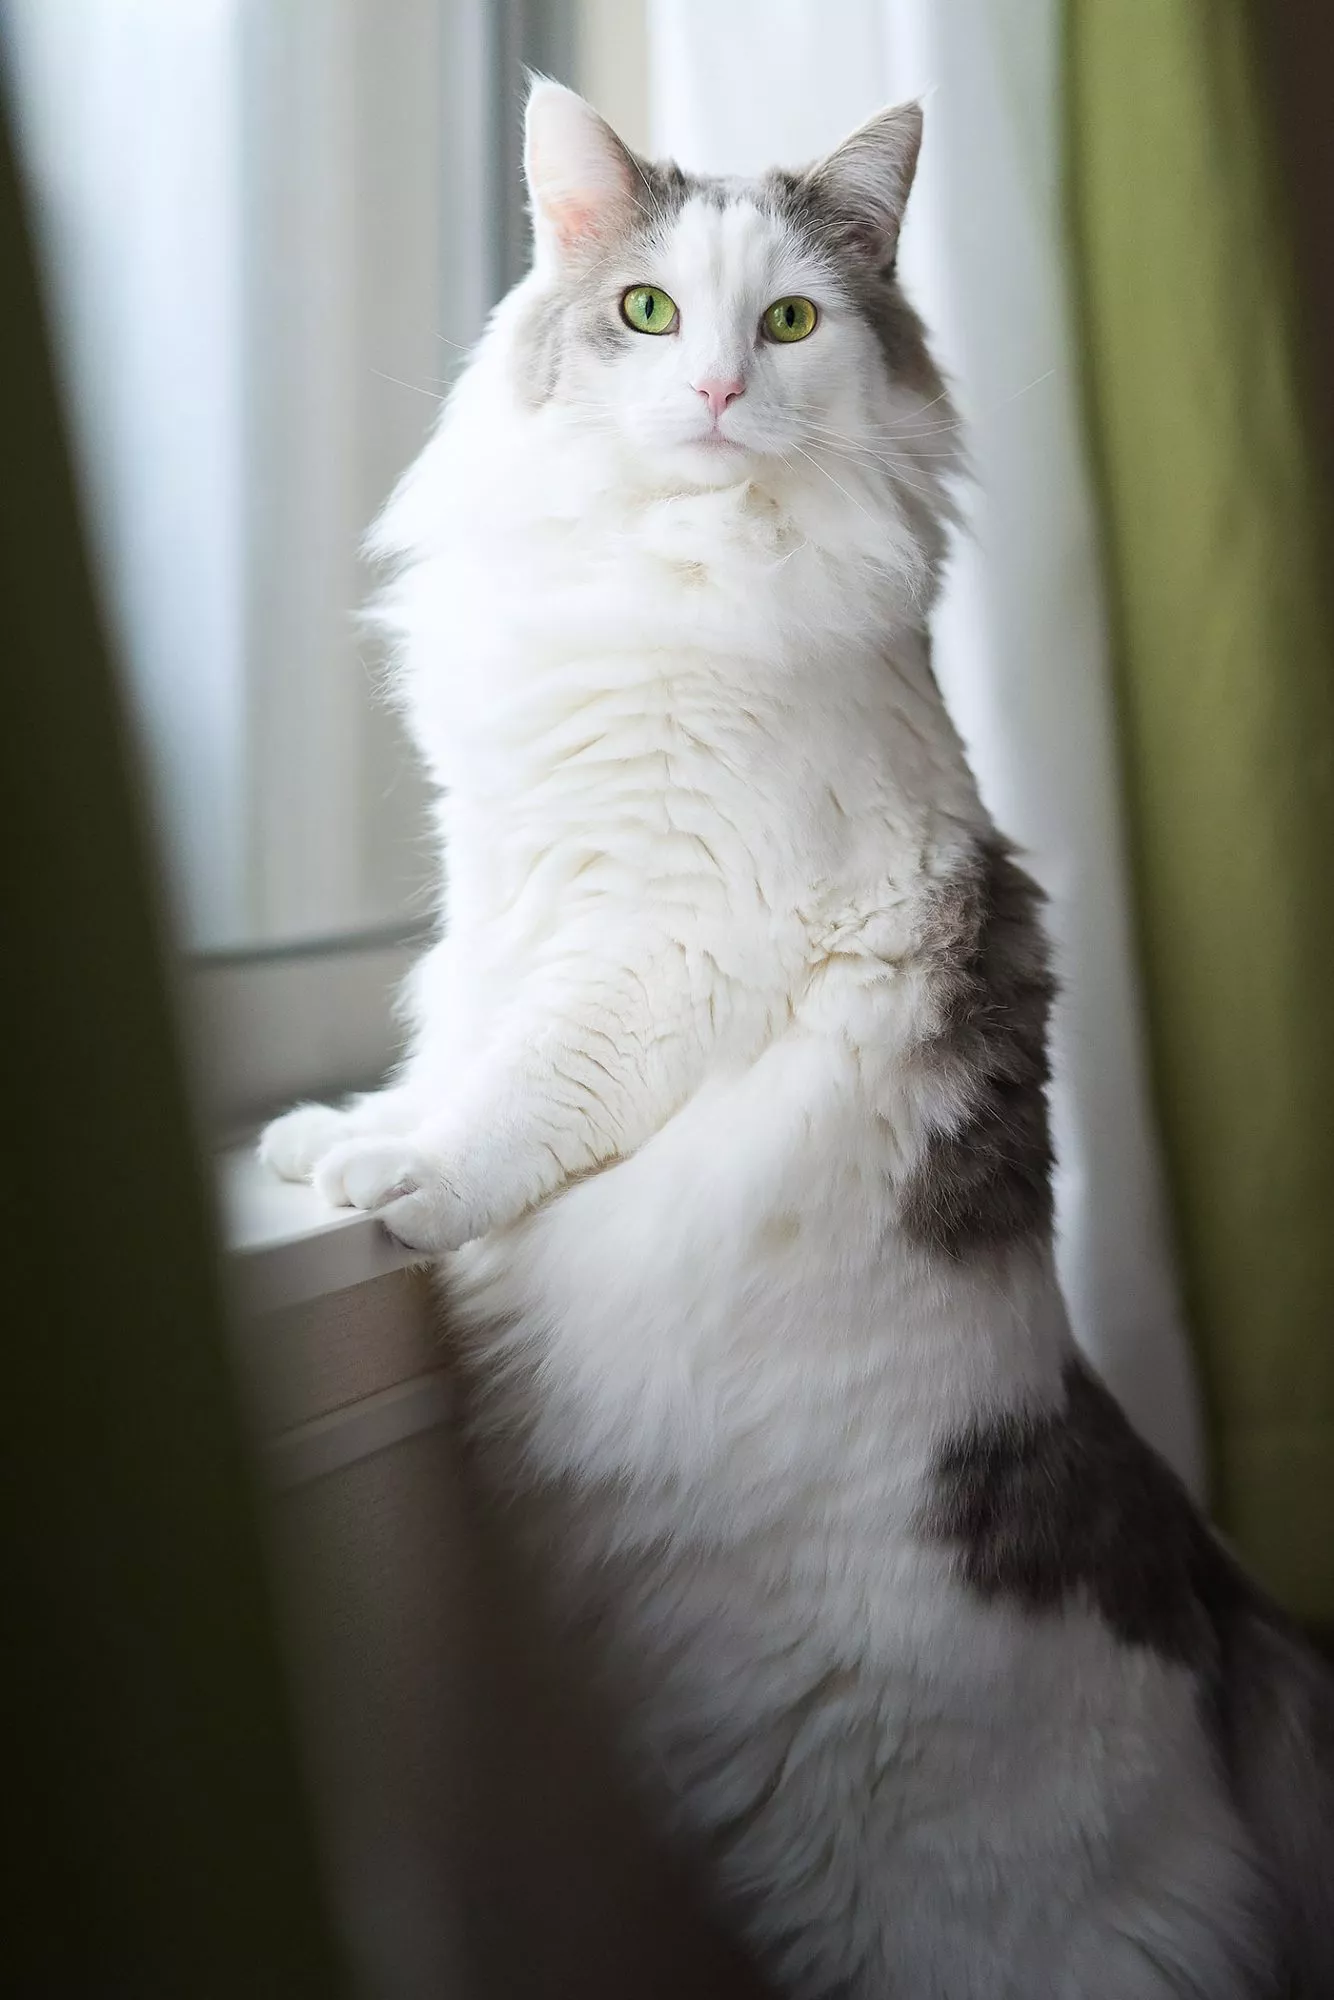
(725, 1114)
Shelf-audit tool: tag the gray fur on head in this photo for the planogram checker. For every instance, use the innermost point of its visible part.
(605, 218)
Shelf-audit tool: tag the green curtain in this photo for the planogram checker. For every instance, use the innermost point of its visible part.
(1218, 545)
(158, 1836)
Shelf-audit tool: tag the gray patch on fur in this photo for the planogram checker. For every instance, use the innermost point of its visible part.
(1271, 1707)
(803, 204)
(1071, 1503)
(577, 308)
(873, 290)
(986, 1181)
(575, 311)
(580, 307)
(1041, 1506)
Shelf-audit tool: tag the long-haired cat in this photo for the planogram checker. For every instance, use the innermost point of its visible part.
(725, 1112)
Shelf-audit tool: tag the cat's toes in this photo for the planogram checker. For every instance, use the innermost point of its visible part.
(366, 1173)
(294, 1144)
(403, 1185)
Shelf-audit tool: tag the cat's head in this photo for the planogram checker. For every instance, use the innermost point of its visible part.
(711, 324)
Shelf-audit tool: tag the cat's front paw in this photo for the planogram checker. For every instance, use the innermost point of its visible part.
(294, 1144)
(405, 1186)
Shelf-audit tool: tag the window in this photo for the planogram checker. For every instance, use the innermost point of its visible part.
(270, 228)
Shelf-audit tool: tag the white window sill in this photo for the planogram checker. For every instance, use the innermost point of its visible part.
(287, 1246)
(337, 1340)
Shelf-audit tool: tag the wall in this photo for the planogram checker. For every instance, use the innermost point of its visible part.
(482, 1838)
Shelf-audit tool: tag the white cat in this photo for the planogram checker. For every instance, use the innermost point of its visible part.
(725, 1109)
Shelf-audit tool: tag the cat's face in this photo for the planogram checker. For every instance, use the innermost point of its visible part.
(709, 325)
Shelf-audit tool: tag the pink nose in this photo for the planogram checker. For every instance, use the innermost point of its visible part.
(718, 393)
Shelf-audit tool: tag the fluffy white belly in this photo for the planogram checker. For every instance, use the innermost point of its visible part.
(727, 1398)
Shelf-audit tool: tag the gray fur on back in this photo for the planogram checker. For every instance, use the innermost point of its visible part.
(986, 1181)
(1071, 1502)
(1275, 1724)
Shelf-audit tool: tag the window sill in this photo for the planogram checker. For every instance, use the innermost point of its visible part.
(337, 1339)
(272, 1026)
(287, 1247)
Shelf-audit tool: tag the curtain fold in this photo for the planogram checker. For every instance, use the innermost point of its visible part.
(1021, 639)
(1218, 532)
(161, 1842)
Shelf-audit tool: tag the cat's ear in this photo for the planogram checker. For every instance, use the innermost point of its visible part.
(581, 179)
(864, 183)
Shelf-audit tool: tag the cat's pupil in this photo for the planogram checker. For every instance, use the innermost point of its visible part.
(790, 315)
(649, 303)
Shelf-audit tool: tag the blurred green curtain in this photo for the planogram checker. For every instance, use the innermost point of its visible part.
(1209, 462)
(159, 1839)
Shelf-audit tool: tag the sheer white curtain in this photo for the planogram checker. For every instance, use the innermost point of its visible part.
(1021, 638)
(126, 117)
(267, 226)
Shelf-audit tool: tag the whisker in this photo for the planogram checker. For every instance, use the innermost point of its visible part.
(905, 427)
(1036, 383)
(911, 422)
(894, 461)
(399, 383)
(832, 481)
(903, 430)
(900, 440)
(658, 212)
(915, 458)
(936, 399)
(890, 472)
(982, 415)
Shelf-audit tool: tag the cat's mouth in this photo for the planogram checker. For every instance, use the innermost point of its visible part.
(717, 440)
(713, 457)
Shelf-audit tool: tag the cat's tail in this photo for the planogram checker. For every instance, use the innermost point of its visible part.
(1281, 1738)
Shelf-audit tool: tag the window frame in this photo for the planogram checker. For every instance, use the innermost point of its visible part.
(278, 1022)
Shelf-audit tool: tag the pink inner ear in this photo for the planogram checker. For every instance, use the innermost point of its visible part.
(572, 219)
(589, 182)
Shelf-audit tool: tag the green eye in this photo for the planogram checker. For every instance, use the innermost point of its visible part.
(789, 319)
(649, 310)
